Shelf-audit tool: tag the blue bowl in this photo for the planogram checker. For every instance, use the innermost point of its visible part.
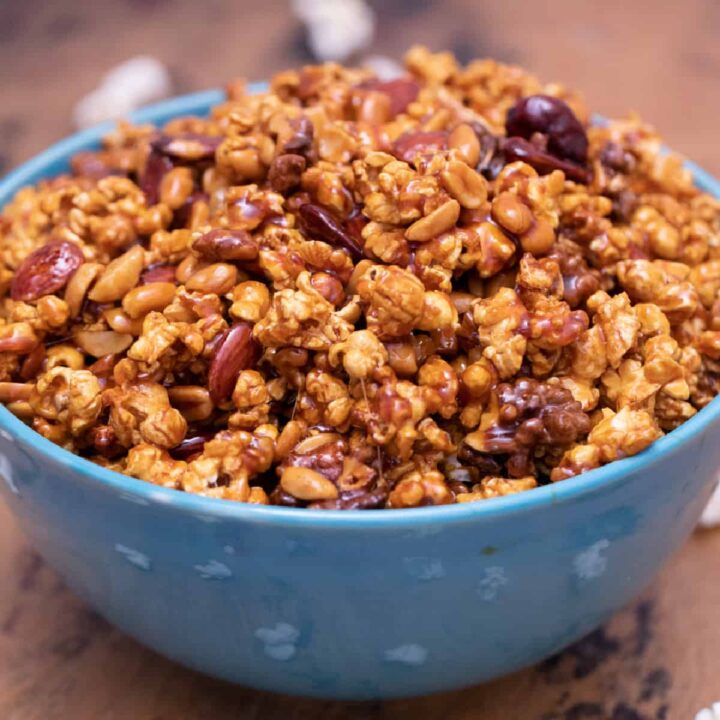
(358, 604)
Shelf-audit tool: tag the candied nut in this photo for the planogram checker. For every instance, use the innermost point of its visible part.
(553, 117)
(64, 356)
(151, 296)
(154, 218)
(12, 392)
(539, 238)
(411, 144)
(328, 286)
(306, 484)
(477, 379)
(32, 365)
(119, 277)
(121, 322)
(438, 312)
(218, 278)
(192, 401)
(185, 270)
(18, 338)
(400, 91)
(102, 342)
(518, 149)
(464, 140)
(238, 350)
(175, 187)
(375, 109)
(79, 285)
(158, 273)
(224, 244)
(319, 222)
(46, 270)
(437, 222)
(187, 146)
(466, 185)
(510, 212)
(286, 171)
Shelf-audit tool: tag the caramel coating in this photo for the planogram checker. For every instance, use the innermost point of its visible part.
(348, 293)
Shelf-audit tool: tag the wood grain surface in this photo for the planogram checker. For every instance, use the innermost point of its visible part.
(660, 658)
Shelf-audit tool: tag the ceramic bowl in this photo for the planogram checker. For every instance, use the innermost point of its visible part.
(359, 604)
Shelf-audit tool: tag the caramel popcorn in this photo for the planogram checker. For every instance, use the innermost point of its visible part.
(349, 293)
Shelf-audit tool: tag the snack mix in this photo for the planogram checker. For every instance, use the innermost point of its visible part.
(354, 293)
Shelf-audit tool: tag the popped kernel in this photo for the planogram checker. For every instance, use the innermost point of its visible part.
(349, 293)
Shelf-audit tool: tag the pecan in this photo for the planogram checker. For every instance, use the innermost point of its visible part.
(238, 350)
(286, 172)
(226, 244)
(46, 270)
(530, 413)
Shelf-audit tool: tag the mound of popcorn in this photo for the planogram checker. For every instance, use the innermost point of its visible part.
(349, 292)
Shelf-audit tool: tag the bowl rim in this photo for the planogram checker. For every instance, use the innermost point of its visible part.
(602, 478)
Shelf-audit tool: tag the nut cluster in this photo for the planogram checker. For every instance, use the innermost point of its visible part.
(355, 293)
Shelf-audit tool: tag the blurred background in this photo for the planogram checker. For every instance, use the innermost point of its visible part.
(658, 57)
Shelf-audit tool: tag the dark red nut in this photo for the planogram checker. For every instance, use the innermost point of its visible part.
(551, 116)
(32, 365)
(105, 441)
(300, 142)
(189, 147)
(401, 91)
(157, 166)
(517, 148)
(410, 144)
(354, 226)
(93, 165)
(224, 244)
(319, 223)
(237, 351)
(158, 273)
(286, 172)
(190, 446)
(182, 216)
(46, 270)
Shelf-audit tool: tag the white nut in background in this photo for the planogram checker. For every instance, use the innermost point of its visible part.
(124, 88)
(710, 519)
(385, 68)
(711, 713)
(336, 29)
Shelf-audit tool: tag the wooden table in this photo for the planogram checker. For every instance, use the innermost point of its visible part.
(659, 658)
